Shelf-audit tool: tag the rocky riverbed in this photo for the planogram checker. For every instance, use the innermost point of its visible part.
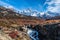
(38, 32)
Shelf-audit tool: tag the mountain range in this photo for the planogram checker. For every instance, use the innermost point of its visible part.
(5, 12)
(35, 13)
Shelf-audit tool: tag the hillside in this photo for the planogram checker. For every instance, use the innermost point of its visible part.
(16, 26)
(9, 16)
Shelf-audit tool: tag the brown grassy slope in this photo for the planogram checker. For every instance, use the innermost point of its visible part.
(8, 17)
(21, 22)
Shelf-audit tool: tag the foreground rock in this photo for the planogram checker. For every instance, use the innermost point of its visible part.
(48, 32)
(13, 35)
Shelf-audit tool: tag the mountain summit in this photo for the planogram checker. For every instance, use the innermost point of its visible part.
(10, 12)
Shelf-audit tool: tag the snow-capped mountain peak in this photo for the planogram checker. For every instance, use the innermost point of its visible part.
(30, 12)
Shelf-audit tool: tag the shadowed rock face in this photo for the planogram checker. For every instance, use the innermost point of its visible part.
(48, 32)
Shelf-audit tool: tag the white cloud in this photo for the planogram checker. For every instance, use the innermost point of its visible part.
(55, 8)
(6, 4)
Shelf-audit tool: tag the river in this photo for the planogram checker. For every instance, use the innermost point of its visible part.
(33, 34)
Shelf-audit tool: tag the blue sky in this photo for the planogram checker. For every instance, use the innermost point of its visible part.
(24, 4)
(43, 6)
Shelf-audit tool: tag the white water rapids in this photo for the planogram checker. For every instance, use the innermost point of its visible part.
(33, 34)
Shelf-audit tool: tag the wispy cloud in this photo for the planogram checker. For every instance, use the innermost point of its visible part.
(8, 5)
(53, 6)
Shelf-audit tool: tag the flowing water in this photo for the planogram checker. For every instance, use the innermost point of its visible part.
(33, 34)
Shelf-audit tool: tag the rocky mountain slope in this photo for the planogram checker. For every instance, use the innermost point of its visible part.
(16, 26)
(9, 16)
